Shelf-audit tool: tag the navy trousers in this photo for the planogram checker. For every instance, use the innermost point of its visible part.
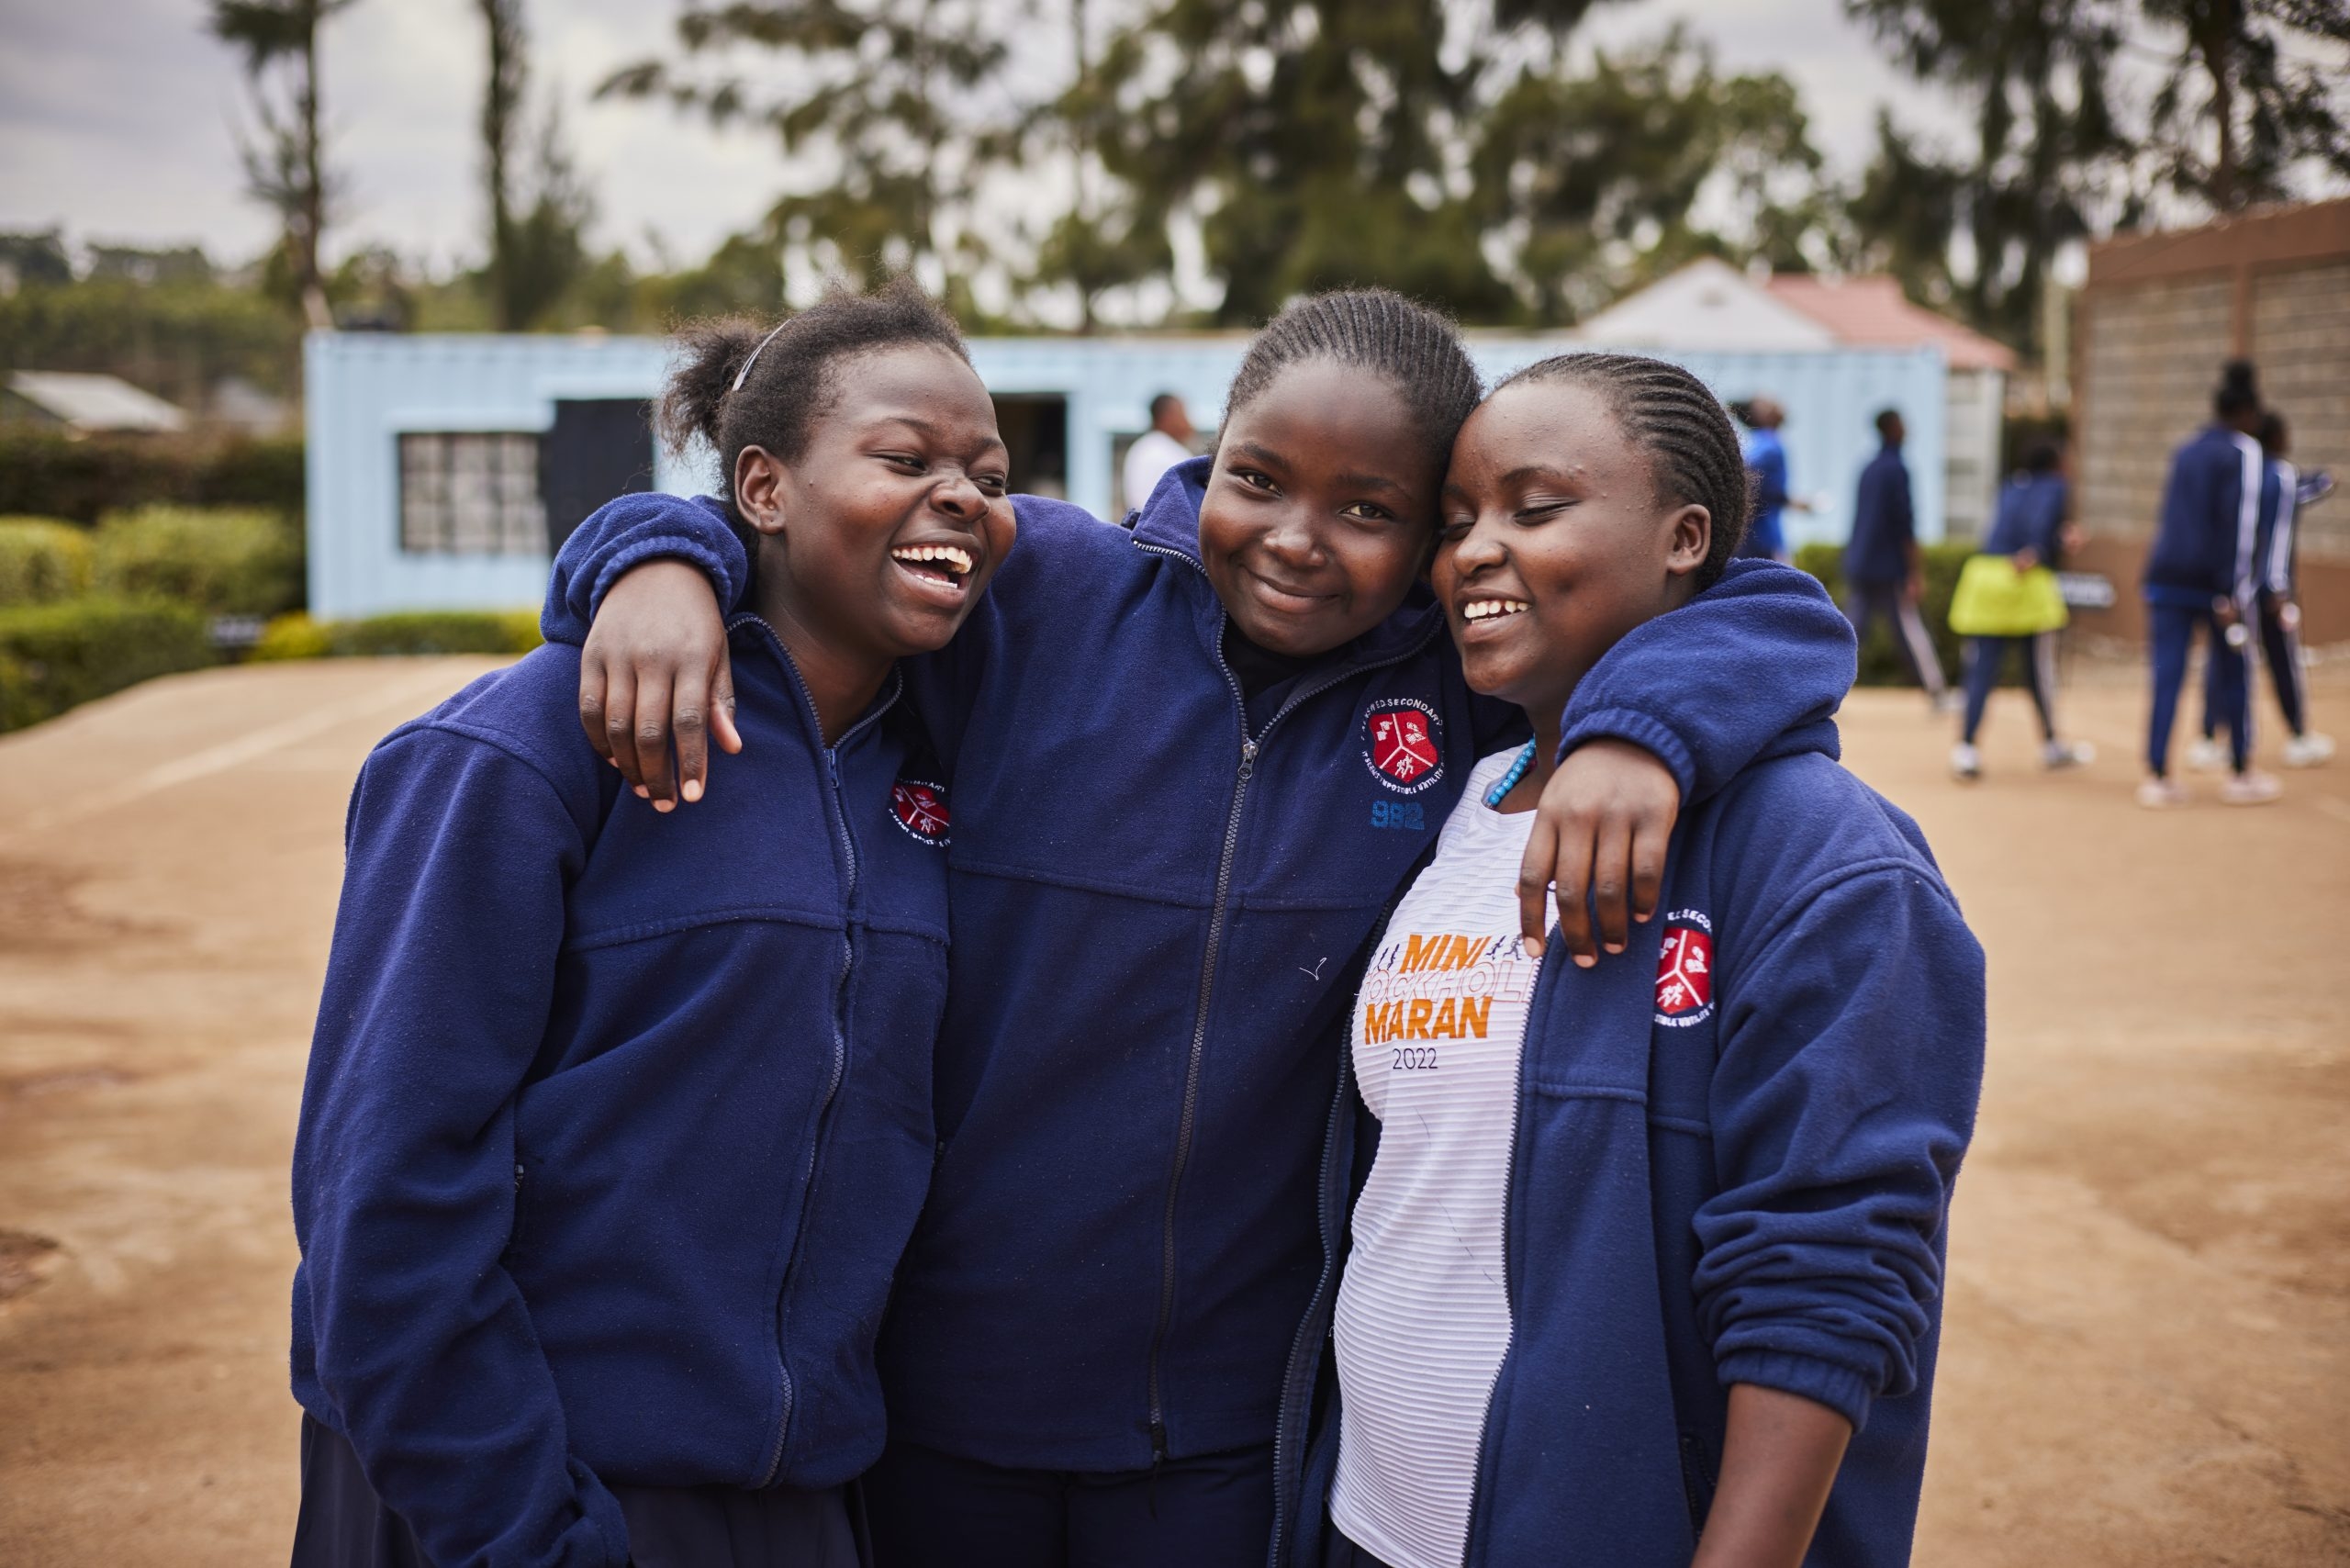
(2172, 628)
(1865, 602)
(1986, 659)
(344, 1525)
(2280, 647)
(930, 1509)
(1338, 1551)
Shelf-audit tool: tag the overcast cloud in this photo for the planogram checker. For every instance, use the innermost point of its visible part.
(117, 119)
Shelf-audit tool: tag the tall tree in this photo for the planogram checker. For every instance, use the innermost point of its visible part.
(2260, 111)
(537, 254)
(1105, 240)
(1311, 141)
(285, 166)
(2046, 140)
(1589, 182)
(882, 94)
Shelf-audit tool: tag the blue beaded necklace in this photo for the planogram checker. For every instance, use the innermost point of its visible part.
(1509, 781)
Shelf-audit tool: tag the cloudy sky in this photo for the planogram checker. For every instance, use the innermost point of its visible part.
(117, 119)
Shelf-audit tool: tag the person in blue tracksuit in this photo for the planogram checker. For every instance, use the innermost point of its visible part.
(2028, 527)
(2285, 494)
(1191, 764)
(1884, 573)
(1766, 461)
(615, 1123)
(2199, 577)
(1646, 1266)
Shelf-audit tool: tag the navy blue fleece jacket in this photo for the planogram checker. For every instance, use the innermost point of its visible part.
(1734, 1154)
(2204, 545)
(616, 1123)
(1156, 907)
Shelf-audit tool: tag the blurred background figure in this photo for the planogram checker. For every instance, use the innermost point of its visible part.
(2284, 494)
(1766, 461)
(1167, 442)
(1884, 573)
(2199, 577)
(2032, 531)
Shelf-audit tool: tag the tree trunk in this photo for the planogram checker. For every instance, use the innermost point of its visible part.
(500, 100)
(313, 212)
(2213, 40)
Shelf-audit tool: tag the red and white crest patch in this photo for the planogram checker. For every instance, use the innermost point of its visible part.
(921, 810)
(1403, 745)
(1684, 970)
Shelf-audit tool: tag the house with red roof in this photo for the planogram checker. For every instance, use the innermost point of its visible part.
(1710, 305)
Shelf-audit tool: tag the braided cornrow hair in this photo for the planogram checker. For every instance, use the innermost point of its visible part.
(1693, 451)
(1414, 348)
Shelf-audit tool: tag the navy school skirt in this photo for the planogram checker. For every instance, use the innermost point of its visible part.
(344, 1525)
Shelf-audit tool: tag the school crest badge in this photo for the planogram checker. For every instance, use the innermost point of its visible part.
(1684, 970)
(920, 809)
(1403, 745)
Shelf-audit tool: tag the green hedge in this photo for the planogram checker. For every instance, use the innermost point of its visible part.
(417, 631)
(222, 560)
(42, 559)
(1881, 662)
(46, 474)
(55, 655)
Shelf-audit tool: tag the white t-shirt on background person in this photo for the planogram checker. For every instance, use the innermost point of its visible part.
(1152, 455)
(1423, 1320)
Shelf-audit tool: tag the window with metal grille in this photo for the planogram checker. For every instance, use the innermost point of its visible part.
(471, 493)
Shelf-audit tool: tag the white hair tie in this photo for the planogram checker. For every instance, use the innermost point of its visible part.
(745, 370)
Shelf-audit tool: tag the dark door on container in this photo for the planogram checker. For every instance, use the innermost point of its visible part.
(597, 448)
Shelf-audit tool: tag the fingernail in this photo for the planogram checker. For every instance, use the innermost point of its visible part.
(1533, 950)
(642, 793)
(693, 789)
(664, 806)
(1586, 960)
(1614, 947)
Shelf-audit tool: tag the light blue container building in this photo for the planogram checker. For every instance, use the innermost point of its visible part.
(434, 461)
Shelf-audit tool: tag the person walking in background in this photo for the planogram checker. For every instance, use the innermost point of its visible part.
(1766, 464)
(2200, 575)
(2284, 494)
(1884, 573)
(2030, 532)
(1167, 442)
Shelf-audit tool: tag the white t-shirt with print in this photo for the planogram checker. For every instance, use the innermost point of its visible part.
(1423, 1320)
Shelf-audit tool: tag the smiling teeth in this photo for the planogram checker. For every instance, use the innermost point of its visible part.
(1486, 609)
(953, 558)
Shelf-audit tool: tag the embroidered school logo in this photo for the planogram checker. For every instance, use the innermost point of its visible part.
(921, 810)
(1684, 970)
(1404, 744)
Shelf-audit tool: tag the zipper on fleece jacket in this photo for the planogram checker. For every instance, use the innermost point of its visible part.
(1218, 910)
(839, 814)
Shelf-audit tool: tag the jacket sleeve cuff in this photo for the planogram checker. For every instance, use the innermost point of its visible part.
(602, 1511)
(1840, 1388)
(1642, 730)
(672, 547)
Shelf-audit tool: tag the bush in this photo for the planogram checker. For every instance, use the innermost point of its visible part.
(48, 474)
(223, 561)
(55, 655)
(1881, 661)
(415, 631)
(42, 560)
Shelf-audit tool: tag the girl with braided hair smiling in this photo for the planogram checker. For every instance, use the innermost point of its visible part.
(1190, 766)
(1646, 1266)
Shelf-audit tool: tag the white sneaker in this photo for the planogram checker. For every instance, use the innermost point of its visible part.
(2161, 794)
(2309, 750)
(1965, 762)
(2066, 753)
(2251, 787)
(2207, 755)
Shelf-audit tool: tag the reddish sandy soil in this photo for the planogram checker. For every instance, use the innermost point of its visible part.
(2147, 1360)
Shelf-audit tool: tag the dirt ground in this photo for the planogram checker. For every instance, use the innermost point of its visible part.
(2147, 1360)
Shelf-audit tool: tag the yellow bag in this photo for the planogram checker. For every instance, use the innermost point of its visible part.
(1994, 600)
